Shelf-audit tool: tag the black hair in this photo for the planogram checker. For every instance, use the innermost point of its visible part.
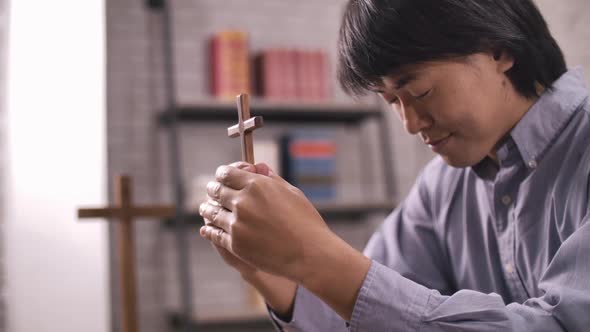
(380, 37)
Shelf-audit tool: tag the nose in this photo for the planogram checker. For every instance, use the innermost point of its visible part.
(414, 120)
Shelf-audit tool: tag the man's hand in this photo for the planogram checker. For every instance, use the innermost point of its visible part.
(263, 220)
(270, 232)
(246, 270)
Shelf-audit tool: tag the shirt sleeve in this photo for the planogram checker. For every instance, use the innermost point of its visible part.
(309, 314)
(405, 241)
(408, 289)
(389, 302)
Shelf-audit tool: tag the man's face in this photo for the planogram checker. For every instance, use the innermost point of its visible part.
(461, 109)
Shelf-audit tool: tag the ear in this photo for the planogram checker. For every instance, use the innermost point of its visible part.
(504, 61)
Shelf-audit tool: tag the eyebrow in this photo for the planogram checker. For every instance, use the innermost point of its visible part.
(401, 82)
(407, 78)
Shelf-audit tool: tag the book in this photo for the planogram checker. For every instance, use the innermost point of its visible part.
(267, 151)
(268, 66)
(324, 88)
(292, 75)
(229, 64)
(309, 163)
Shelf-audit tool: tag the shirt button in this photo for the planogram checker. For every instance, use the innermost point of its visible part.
(509, 268)
(532, 164)
(506, 199)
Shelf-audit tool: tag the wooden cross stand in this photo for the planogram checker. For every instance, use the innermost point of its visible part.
(125, 212)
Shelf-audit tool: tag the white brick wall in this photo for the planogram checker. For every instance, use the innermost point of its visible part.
(568, 21)
(135, 93)
(136, 146)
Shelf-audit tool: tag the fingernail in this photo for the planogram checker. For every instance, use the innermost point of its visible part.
(213, 188)
(202, 231)
(202, 208)
(247, 167)
(221, 172)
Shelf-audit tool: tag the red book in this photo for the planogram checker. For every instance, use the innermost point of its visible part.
(282, 73)
(273, 67)
(263, 78)
(290, 77)
(304, 75)
(316, 75)
(312, 149)
(324, 77)
(230, 64)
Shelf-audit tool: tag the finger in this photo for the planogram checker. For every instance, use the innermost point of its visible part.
(243, 166)
(212, 201)
(217, 236)
(263, 169)
(217, 216)
(233, 177)
(222, 194)
(271, 174)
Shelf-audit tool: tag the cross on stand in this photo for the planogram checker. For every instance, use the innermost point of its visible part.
(125, 212)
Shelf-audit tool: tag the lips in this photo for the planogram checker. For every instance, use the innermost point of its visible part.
(438, 145)
(434, 142)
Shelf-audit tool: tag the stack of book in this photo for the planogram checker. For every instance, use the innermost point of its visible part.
(284, 74)
(309, 163)
(292, 75)
(229, 64)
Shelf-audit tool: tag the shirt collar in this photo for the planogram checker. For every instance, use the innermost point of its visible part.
(544, 121)
(540, 126)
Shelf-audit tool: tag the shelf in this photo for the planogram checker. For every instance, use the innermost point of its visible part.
(273, 112)
(328, 211)
(344, 209)
(243, 321)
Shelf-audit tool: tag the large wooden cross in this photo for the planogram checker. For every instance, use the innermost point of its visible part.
(124, 212)
(245, 127)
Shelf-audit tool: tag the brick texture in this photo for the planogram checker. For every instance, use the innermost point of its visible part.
(138, 147)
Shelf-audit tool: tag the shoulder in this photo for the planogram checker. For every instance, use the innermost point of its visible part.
(438, 182)
(438, 176)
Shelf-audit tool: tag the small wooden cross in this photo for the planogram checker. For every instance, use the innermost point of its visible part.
(245, 128)
(125, 212)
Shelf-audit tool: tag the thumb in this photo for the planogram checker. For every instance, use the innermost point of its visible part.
(244, 166)
(264, 169)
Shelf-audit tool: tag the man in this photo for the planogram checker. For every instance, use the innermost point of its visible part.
(494, 235)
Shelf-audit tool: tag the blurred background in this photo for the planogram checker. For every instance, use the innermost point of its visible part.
(94, 89)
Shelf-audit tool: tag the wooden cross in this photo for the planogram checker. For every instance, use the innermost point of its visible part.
(244, 130)
(125, 212)
(245, 127)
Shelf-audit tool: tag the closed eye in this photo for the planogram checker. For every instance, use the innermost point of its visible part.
(423, 95)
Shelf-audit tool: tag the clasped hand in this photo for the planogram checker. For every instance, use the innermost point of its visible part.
(262, 220)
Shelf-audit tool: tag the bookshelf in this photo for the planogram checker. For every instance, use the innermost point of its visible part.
(255, 322)
(304, 112)
(331, 212)
(221, 113)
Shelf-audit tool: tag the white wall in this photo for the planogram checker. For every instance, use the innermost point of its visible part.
(56, 267)
(569, 24)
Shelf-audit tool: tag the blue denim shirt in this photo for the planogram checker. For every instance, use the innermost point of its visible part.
(488, 247)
